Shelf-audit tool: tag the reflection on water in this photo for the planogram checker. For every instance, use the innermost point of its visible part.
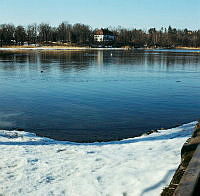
(83, 59)
(98, 95)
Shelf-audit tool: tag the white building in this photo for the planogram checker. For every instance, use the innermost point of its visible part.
(104, 35)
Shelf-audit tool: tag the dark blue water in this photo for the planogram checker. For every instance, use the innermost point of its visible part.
(98, 95)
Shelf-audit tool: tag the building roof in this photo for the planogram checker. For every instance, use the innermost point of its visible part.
(103, 32)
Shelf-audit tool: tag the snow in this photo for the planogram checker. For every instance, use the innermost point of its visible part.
(43, 48)
(32, 165)
(58, 48)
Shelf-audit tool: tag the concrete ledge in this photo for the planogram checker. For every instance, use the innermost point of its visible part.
(190, 145)
(191, 176)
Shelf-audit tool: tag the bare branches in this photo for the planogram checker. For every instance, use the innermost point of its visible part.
(80, 34)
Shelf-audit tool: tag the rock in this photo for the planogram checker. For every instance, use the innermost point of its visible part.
(196, 130)
(19, 129)
(150, 132)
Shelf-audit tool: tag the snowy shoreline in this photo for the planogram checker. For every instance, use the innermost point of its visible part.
(58, 49)
(32, 165)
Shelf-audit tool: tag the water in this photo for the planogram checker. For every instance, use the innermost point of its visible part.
(98, 95)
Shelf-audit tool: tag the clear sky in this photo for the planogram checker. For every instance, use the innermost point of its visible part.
(103, 13)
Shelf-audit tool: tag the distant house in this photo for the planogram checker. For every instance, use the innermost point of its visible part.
(103, 35)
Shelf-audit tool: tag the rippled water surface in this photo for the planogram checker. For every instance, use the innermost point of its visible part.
(98, 95)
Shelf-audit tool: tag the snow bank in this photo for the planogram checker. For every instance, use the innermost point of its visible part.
(32, 165)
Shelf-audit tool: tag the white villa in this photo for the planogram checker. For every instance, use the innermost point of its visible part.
(104, 35)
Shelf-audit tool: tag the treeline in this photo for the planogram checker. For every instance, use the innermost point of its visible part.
(165, 37)
(45, 34)
(80, 34)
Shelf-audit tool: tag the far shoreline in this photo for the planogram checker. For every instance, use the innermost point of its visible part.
(54, 48)
(76, 48)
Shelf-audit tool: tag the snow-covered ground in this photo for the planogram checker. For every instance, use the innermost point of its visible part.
(31, 165)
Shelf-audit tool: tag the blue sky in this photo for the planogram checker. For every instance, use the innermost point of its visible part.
(103, 13)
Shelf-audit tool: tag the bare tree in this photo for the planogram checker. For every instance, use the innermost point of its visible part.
(7, 34)
(31, 34)
(44, 32)
(20, 35)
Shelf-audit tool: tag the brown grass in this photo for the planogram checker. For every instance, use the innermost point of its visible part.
(188, 48)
